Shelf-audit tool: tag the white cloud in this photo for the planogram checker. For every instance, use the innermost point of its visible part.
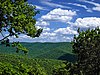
(90, 2)
(89, 10)
(42, 23)
(53, 37)
(48, 34)
(47, 37)
(83, 6)
(97, 5)
(66, 38)
(66, 31)
(88, 22)
(96, 8)
(22, 38)
(47, 2)
(46, 29)
(62, 34)
(59, 15)
(76, 4)
(40, 7)
(44, 37)
(38, 27)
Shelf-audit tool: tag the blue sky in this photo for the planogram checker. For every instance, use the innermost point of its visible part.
(61, 18)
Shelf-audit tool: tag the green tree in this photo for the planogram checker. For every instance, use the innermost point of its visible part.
(17, 17)
(87, 47)
(69, 69)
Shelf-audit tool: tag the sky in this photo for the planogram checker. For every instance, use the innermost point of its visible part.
(60, 19)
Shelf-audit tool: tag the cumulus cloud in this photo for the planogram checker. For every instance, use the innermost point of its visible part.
(60, 34)
(42, 23)
(48, 34)
(46, 29)
(63, 34)
(47, 37)
(59, 15)
(22, 38)
(66, 31)
(44, 37)
(88, 22)
(53, 37)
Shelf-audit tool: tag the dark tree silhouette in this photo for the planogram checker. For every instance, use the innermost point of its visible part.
(87, 48)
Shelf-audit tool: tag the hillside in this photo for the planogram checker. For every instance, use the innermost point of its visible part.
(61, 51)
(45, 65)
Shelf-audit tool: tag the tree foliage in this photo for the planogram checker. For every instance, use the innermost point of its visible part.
(20, 69)
(69, 69)
(17, 17)
(87, 47)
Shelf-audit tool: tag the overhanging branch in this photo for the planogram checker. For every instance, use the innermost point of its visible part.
(5, 37)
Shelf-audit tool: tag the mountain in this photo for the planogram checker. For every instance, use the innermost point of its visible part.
(61, 50)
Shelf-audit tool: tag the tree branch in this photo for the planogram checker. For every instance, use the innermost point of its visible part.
(2, 34)
(5, 37)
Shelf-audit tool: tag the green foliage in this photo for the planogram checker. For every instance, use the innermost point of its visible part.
(61, 51)
(20, 69)
(17, 17)
(41, 65)
(69, 69)
(19, 47)
(87, 47)
(62, 71)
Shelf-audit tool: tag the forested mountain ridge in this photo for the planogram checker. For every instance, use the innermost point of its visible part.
(60, 50)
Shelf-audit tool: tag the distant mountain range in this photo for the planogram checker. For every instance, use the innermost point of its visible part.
(61, 50)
